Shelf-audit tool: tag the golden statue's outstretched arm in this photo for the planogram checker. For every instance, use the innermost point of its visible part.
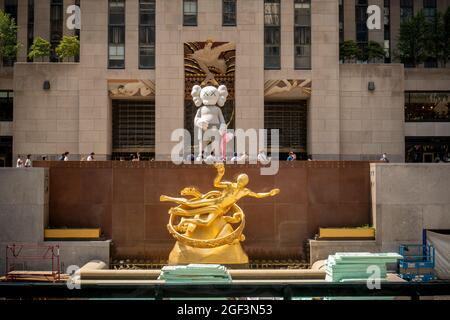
(260, 195)
(218, 183)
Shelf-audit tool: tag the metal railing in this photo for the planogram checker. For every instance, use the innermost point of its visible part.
(159, 291)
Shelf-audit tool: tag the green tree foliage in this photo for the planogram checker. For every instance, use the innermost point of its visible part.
(412, 40)
(40, 48)
(349, 51)
(69, 47)
(434, 37)
(8, 37)
(373, 52)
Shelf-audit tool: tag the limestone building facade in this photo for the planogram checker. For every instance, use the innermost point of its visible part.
(128, 89)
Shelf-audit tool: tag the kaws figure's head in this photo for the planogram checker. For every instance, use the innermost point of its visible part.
(209, 96)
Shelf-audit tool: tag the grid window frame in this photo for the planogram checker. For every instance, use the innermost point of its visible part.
(229, 18)
(133, 125)
(118, 46)
(302, 34)
(272, 35)
(147, 34)
(190, 17)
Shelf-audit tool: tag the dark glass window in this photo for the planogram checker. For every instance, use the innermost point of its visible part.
(133, 126)
(147, 34)
(56, 27)
(341, 21)
(11, 9)
(6, 105)
(425, 106)
(116, 34)
(190, 11)
(429, 11)
(229, 12)
(387, 30)
(427, 149)
(302, 34)
(362, 34)
(406, 9)
(78, 32)
(6, 146)
(272, 34)
(30, 26)
(290, 118)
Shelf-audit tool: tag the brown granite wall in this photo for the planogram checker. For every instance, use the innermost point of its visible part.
(123, 199)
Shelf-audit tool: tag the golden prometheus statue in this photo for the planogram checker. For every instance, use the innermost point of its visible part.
(202, 224)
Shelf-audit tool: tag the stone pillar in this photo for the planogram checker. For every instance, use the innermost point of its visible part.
(287, 34)
(378, 35)
(418, 5)
(349, 20)
(395, 27)
(22, 23)
(42, 19)
(250, 65)
(66, 4)
(169, 73)
(94, 103)
(132, 34)
(324, 111)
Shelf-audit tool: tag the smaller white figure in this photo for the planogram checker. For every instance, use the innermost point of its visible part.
(209, 117)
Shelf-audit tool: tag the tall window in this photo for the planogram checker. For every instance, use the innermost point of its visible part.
(406, 9)
(6, 105)
(147, 34)
(272, 34)
(77, 33)
(387, 30)
(116, 34)
(30, 27)
(341, 21)
(362, 34)
(190, 12)
(229, 12)
(56, 26)
(429, 10)
(302, 34)
(11, 9)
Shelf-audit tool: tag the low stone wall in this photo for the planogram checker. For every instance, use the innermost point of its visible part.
(24, 208)
(406, 200)
(123, 199)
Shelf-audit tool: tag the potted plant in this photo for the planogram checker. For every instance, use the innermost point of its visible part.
(8, 38)
(69, 47)
(39, 49)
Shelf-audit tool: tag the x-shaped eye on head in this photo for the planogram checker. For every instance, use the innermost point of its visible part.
(210, 93)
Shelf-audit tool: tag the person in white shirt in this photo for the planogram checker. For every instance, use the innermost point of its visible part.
(91, 157)
(28, 161)
(384, 158)
(64, 156)
(234, 158)
(19, 163)
(211, 158)
(262, 157)
(243, 158)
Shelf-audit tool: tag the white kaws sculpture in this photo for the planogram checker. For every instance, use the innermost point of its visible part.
(209, 116)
